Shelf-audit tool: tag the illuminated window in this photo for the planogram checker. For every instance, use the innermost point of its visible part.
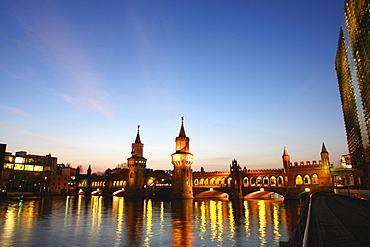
(206, 181)
(19, 167)
(19, 160)
(306, 179)
(212, 182)
(9, 158)
(28, 168)
(9, 166)
(201, 182)
(315, 179)
(265, 181)
(298, 180)
(196, 182)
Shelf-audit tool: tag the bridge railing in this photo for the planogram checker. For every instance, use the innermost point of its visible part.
(300, 232)
(361, 194)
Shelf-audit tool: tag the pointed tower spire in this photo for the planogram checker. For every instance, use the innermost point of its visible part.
(182, 129)
(323, 149)
(137, 140)
(285, 152)
(286, 160)
(89, 170)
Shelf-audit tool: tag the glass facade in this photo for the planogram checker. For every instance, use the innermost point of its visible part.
(353, 72)
(24, 172)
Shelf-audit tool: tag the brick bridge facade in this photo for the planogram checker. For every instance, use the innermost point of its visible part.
(295, 178)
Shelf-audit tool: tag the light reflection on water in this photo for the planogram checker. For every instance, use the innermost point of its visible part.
(116, 221)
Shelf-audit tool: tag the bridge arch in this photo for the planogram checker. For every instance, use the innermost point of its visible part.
(263, 192)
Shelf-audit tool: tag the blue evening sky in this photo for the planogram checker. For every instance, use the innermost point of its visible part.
(250, 77)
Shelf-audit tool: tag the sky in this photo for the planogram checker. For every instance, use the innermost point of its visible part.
(250, 78)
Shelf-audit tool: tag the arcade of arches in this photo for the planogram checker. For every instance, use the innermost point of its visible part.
(256, 181)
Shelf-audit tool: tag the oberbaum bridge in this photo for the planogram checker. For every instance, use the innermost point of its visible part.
(237, 183)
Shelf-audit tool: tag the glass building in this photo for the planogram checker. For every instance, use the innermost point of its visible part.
(353, 72)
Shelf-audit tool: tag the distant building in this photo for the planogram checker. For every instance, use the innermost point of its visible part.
(353, 72)
(63, 181)
(24, 172)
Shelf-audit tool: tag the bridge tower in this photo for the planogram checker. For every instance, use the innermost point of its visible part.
(325, 176)
(136, 173)
(236, 181)
(182, 177)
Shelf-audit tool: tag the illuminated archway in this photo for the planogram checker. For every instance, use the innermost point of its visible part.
(306, 179)
(196, 181)
(298, 180)
(212, 181)
(245, 182)
(201, 182)
(273, 181)
(280, 181)
(315, 179)
(206, 181)
(229, 181)
(259, 181)
(253, 181)
(266, 181)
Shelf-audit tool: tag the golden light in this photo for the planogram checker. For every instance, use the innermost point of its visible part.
(307, 189)
(211, 189)
(262, 189)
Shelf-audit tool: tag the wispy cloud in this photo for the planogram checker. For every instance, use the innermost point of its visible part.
(62, 49)
(25, 132)
(13, 110)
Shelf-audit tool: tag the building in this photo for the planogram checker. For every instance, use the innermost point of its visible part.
(24, 172)
(353, 72)
(63, 181)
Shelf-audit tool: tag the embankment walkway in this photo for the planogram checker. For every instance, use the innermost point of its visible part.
(338, 220)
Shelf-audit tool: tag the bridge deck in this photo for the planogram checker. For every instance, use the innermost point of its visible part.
(339, 221)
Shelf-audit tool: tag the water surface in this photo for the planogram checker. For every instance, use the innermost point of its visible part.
(116, 221)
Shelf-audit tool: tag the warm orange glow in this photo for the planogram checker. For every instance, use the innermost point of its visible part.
(119, 192)
(307, 189)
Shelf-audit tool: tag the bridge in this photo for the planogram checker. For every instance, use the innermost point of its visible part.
(292, 180)
(289, 182)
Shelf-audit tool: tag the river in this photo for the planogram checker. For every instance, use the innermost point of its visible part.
(116, 221)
